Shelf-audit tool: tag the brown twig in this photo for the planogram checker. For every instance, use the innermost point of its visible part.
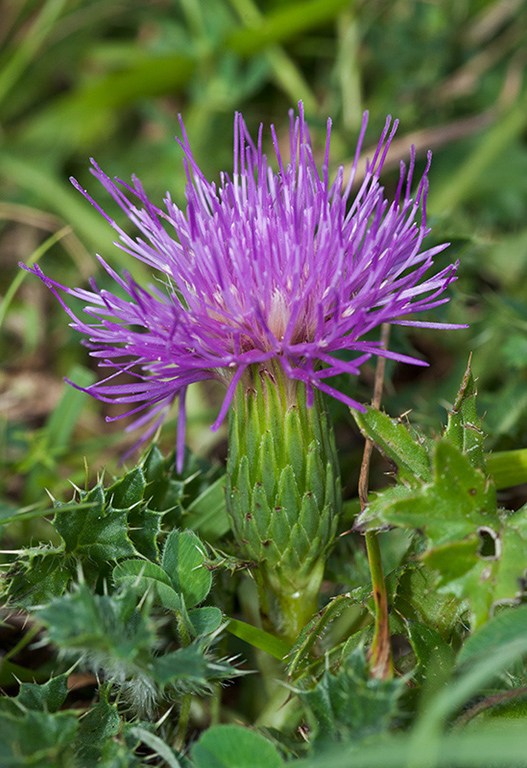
(491, 701)
(381, 664)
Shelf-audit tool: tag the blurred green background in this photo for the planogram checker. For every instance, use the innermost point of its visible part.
(107, 78)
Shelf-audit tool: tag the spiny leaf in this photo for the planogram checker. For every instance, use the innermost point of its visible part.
(32, 738)
(479, 555)
(38, 576)
(458, 501)
(350, 703)
(108, 625)
(394, 440)
(98, 534)
(464, 429)
(48, 697)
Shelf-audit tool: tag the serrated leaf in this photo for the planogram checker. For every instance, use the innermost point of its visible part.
(435, 657)
(35, 738)
(39, 576)
(456, 504)
(373, 516)
(128, 490)
(479, 555)
(48, 697)
(143, 576)
(186, 664)
(350, 703)
(312, 632)
(191, 668)
(416, 597)
(233, 746)
(485, 580)
(100, 723)
(97, 534)
(394, 440)
(107, 625)
(153, 464)
(464, 428)
(184, 561)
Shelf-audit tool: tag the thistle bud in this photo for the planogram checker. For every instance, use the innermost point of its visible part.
(283, 489)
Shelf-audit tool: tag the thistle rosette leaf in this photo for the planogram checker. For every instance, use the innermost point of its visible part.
(280, 266)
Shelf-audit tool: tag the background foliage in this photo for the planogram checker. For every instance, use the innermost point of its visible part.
(107, 78)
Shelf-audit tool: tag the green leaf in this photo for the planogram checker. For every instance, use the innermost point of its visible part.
(62, 421)
(128, 491)
(416, 597)
(435, 658)
(508, 468)
(184, 561)
(48, 697)
(207, 514)
(99, 724)
(350, 703)
(464, 428)
(394, 440)
(508, 626)
(480, 556)
(143, 576)
(86, 109)
(37, 577)
(284, 23)
(486, 580)
(233, 746)
(144, 527)
(191, 667)
(32, 738)
(258, 638)
(97, 534)
(313, 631)
(107, 625)
(205, 620)
(458, 501)
(373, 517)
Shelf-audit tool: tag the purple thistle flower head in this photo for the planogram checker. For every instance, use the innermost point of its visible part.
(282, 266)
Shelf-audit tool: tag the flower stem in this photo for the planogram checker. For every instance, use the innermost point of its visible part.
(182, 725)
(381, 664)
(184, 709)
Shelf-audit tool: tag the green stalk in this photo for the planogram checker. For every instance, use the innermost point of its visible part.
(186, 701)
(381, 664)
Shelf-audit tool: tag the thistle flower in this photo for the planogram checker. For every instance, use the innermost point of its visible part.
(282, 266)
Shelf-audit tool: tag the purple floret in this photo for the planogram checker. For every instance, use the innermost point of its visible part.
(269, 265)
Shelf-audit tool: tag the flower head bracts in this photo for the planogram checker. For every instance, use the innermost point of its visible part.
(269, 265)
